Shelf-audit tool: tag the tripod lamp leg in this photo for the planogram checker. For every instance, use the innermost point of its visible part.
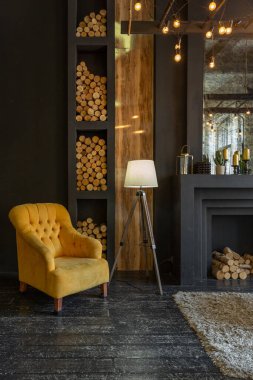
(152, 239)
(144, 237)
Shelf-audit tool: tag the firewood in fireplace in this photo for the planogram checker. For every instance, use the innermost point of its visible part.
(231, 264)
(217, 273)
(247, 257)
(232, 254)
(243, 275)
(245, 266)
(221, 257)
(234, 276)
(223, 267)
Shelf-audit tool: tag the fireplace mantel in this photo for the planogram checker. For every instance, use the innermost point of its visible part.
(198, 198)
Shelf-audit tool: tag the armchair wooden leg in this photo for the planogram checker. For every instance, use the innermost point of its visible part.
(104, 290)
(22, 287)
(57, 305)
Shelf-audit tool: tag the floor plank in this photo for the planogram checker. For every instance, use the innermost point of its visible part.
(135, 334)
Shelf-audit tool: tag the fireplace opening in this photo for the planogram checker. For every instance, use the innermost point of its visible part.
(234, 231)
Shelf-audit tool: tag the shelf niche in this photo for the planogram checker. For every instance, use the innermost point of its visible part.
(95, 58)
(88, 148)
(97, 211)
(91, 64)
(92, 208)
(85, 7)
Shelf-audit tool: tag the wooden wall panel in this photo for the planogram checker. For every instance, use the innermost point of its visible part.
(134, 125)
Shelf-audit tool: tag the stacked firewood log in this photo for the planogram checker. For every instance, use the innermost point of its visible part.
(91, 166)
(91, 95)
(93, 25)
(230, 265)
(89, 228)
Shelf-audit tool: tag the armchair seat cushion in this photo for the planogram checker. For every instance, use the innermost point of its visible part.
(75, 274)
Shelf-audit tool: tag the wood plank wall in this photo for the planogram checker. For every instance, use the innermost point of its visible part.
(134, 124)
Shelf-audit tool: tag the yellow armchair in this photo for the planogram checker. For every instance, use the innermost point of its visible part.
(52, 256)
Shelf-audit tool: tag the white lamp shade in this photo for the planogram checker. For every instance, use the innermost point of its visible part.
(141, 173)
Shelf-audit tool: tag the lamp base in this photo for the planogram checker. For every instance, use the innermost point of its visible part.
(147, 234)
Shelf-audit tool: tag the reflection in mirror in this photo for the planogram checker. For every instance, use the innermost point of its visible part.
(228, 97)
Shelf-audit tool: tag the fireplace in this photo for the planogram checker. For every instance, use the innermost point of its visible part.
(213, 212)
(234, 230)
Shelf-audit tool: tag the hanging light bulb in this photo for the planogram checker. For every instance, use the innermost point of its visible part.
(222, 30)
(212, 6)
(212, 130)
(176, 23)
(248, 112)
(178, 55)
(165, 29)
(209, 34)
(212, 63)
(229, 29)
(137, 6)
(210, 114)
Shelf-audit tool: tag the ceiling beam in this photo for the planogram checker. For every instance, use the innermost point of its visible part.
(187, 27)
(228, 97)
(224, 110)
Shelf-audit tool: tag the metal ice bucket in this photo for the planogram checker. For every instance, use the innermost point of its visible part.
(184, 162)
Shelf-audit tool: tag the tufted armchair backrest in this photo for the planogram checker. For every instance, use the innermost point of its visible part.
(44, 220)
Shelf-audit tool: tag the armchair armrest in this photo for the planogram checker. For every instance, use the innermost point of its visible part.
(40, 249)
(75, 244)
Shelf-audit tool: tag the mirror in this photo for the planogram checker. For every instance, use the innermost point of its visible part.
(228, 98)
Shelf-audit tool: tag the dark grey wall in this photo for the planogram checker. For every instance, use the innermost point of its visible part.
(33, 101)
(170, 135)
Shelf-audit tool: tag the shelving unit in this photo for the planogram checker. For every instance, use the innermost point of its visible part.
(99, 55)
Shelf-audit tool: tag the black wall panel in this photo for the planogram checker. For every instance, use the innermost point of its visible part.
(33, 109)
(170, 135)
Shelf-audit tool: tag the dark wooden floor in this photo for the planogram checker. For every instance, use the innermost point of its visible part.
(134, 335)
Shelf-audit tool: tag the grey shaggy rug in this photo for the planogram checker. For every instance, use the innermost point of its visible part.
(224, 325)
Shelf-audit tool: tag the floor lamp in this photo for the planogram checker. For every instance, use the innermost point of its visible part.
(141, 174)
